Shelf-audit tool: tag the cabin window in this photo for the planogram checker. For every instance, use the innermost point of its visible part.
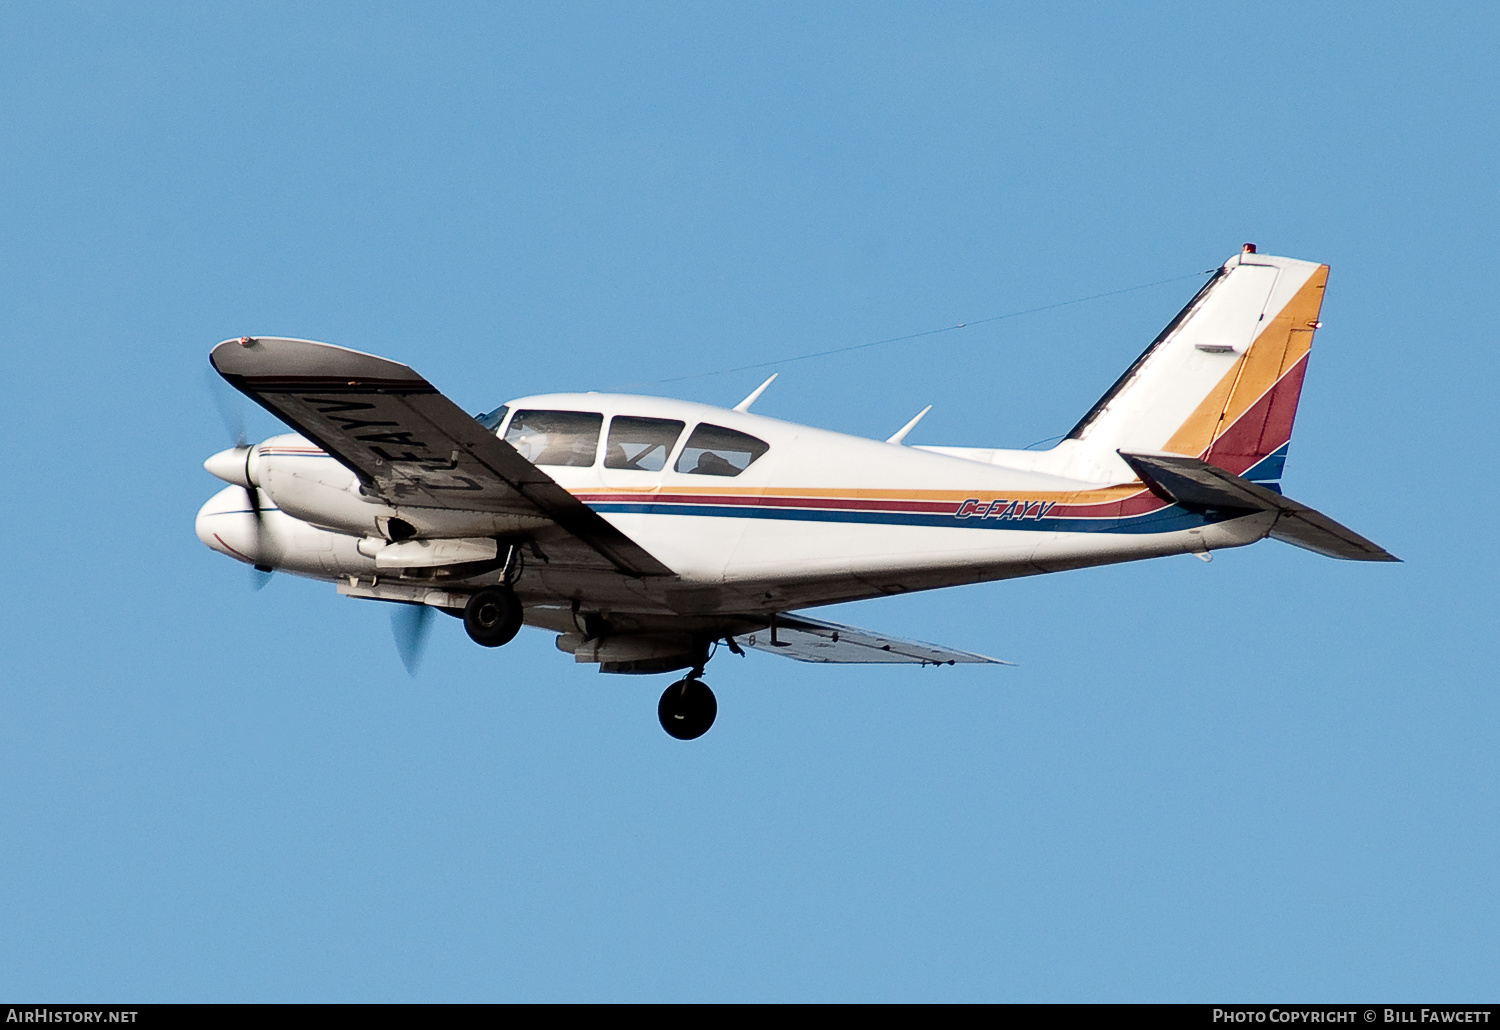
(641, 444)
(556, 437)
(716, 451)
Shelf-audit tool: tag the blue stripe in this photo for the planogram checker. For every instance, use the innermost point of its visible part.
(1163, 520)
(1269, 467)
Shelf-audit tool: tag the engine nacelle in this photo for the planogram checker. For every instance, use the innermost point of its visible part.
(306, 483)
(245, 527)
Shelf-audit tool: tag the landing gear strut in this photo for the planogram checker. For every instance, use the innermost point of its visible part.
(493, 617)
(688, 708)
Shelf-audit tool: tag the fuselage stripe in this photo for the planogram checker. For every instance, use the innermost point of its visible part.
(1165, 519)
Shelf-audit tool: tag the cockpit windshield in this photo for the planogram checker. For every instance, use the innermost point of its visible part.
(491, 420)
(556, 437)
(716, 451)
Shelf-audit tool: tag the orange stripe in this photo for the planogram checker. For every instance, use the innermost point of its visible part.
(1280, 345)
(1099, 496)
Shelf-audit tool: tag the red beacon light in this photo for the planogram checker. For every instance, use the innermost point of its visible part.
(1248, 248)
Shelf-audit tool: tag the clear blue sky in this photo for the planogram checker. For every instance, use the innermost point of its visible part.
(1270, 777)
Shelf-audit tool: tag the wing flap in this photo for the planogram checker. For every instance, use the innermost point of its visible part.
(406, 441)
(1197, 484)
(811, 640)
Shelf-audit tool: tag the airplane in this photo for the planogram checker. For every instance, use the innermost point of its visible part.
(645, 531)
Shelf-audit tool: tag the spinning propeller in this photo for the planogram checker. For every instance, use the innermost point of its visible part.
(411, 624)
(233, 465)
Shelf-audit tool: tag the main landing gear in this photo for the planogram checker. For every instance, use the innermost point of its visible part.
(493, 617)
(687, 708)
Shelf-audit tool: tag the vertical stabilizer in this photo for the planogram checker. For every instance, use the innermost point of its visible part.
(1221, 382)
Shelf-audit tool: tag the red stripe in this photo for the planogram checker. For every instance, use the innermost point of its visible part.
(756, 501)
(240, 553)
(1263, 428)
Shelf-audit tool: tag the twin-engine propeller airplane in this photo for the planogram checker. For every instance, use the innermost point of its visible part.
(644, 531)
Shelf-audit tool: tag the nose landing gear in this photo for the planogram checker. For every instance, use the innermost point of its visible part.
(687, 708)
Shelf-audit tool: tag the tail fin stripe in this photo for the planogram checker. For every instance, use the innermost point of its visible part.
(1268, 469)
(1264, 428)
(1273, 364)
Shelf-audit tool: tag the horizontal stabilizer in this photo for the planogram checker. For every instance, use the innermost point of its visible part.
(809, 640)
(1193, 483)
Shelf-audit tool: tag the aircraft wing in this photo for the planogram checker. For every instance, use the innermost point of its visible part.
(1196, 483)
(810, 640)
(407, 442)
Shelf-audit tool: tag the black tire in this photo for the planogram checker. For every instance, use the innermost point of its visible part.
(687, 709)
(493, 616)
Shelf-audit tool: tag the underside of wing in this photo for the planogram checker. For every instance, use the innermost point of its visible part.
(408, 443)
(1197, 484)
(811, 640)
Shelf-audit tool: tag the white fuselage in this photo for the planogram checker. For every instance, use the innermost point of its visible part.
(819, 517)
